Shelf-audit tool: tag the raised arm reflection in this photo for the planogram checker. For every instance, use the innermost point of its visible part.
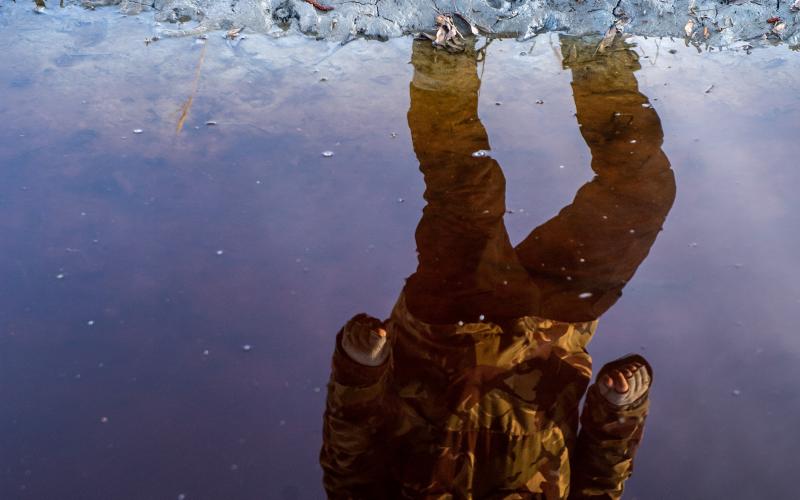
(471, 389)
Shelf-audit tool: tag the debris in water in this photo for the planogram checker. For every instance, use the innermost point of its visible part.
(233, 33)
(247, 348)
(60, 276)
(220, 252)
(584, 295)
(400, 200)
(710, 87)
(539, 101)
(498, 103)
(206, 352)
(481, 317)
(608, 39)
(211, 123)
(689, 28)
(327, 154)
(137, 131)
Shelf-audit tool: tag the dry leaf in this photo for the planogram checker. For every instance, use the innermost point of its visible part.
(689, 28)
(233, 33)
(607, 40)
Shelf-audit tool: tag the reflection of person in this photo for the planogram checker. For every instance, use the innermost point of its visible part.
(471, 389)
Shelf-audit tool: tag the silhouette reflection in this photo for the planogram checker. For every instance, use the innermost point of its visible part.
(472, 388)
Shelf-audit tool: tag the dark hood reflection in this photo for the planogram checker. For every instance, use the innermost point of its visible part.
(479, 372)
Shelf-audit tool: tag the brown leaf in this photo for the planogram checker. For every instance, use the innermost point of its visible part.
(607, 40)
(689, 28)
(233, 33)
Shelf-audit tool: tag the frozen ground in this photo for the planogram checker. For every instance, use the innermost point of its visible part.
(713, 23)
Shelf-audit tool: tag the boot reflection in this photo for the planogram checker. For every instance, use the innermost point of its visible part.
(480, 394)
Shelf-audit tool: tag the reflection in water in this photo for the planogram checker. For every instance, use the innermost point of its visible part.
(472, 387)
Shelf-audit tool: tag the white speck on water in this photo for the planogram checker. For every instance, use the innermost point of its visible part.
(327, 154)
(317, 389)
(631, 231)
(569, 278)
(247, 348)
(633, 141)
(182, 497)
(646, 105)
(393, 135)
(481, 317)
(481, 153)
(460, 323)
(584, 295)
(692, 244)
(60, 276)
(137, 131)
(400, 200)
(581, 260)
(103, 420)
(206, 352)
(505, 282)
(736, 392)
(282, 423)
(561, 166)
(234, 467)
(220, 252)
(90, 322)
(605, 217)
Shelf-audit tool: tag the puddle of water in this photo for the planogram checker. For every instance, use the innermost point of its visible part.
(136, 266)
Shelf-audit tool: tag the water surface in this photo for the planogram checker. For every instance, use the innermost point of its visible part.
(136, 266)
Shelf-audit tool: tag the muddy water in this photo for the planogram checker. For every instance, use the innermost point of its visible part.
(136, 266)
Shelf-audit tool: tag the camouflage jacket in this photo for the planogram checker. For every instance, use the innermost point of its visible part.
(476, 410)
